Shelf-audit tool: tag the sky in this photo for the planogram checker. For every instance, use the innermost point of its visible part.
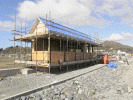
(111, 19)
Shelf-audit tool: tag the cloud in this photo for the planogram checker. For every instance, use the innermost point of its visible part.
(81, 12)
(115, 37)
(76, 12)
(120, 37)
(131, 25)
(7, 26)
(131, 45)
(120, 8)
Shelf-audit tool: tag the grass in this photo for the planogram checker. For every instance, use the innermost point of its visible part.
(7, 63)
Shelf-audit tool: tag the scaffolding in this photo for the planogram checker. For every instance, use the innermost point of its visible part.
(69, 40)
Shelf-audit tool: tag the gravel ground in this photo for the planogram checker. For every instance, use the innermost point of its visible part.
(13, 85)
(102, 84)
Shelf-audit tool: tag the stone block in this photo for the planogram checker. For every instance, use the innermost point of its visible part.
(27, 71)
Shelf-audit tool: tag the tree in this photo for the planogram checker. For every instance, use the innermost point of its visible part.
(17, 46)
(1, 49)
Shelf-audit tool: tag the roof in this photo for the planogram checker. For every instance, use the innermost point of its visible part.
(60, 29)
(56, 28)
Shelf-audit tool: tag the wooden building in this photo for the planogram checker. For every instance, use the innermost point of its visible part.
(56, 45)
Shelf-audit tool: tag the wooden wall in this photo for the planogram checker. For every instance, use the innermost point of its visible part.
(40, 29)
(40, 56)
(55, 52)
(55, 56)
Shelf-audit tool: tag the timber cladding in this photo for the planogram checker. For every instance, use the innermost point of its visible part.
(57, 56)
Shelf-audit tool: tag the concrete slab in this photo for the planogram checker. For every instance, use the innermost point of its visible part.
(10, 72)
(55, 64)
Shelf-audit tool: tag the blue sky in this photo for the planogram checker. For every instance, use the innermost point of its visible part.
(112, 19)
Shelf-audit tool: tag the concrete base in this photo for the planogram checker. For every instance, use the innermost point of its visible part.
(27, 71)
(10, 72)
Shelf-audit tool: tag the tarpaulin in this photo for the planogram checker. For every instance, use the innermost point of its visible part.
(112, 65)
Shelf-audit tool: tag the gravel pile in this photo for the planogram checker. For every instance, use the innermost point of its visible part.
(102, 84)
